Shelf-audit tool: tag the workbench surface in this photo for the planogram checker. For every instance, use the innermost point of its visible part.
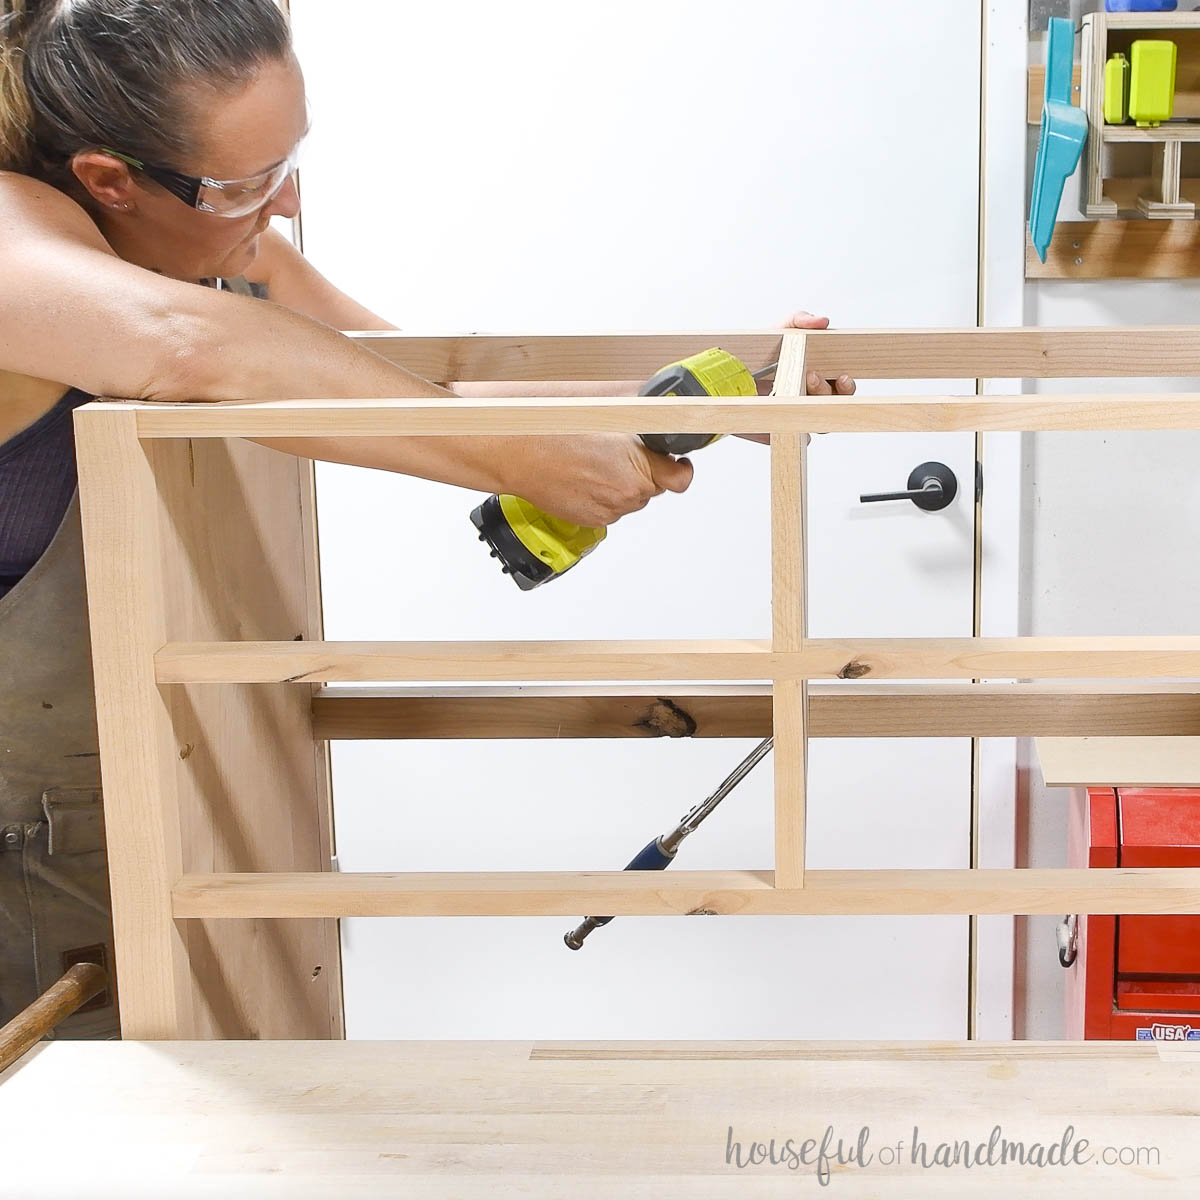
(627, 1120)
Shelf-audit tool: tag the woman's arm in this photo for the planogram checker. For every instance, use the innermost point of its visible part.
(292, 280)
(73, 312)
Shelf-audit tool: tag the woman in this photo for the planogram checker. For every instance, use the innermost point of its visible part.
(144, 147)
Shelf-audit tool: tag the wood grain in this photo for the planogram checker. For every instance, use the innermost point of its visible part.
(744, 711)
(789, 623)
(1036, 77)
(63, 997)
(1120, 761)
(1118, 250)
(650, 659)
(682, 892)
(486, 1120)
(207, 540)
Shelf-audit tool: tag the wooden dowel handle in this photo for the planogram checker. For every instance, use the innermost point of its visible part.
(55, 1004)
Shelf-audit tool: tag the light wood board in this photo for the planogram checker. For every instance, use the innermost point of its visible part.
(547, 1120)
(1120, 761)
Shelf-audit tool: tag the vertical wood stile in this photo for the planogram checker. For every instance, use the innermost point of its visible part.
(119, 510)
(789, 623)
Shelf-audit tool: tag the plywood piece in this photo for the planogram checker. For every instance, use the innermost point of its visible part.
(1095, 203)
(1133, 249)
(542, 1120)
(1163, 201)
(1120, 761)
(1037, 91)
(680, 892)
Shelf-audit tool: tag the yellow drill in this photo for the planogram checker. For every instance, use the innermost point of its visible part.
(534, 547)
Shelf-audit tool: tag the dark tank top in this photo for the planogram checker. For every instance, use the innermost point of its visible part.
(37, 481)
(38, 476)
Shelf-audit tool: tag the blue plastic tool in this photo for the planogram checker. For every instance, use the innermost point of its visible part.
(1064, 130)
(1141, 5)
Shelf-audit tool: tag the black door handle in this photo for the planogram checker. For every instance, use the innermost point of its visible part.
(931, 486)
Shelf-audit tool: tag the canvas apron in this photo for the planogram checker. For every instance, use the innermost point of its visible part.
(54, 906)
(54, 899)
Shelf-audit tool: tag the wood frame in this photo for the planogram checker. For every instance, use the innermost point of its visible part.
(207, 643)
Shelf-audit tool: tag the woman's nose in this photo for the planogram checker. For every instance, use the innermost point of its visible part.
(286, 201)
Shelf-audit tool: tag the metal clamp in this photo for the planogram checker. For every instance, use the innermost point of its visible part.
(1067, 933)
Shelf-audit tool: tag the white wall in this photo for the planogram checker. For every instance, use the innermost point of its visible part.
(543, 166)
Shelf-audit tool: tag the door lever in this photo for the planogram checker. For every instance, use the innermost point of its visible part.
(931, 486)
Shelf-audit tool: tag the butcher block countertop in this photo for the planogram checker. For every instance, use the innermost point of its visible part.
(626, 1120)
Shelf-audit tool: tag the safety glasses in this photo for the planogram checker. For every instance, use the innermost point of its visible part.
(221, 197)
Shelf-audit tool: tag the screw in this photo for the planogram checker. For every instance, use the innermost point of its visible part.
(1079, 262)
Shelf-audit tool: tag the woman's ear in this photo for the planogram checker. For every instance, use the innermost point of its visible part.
(106, 179)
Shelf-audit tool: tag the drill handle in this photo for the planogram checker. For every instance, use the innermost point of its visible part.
(651, 857)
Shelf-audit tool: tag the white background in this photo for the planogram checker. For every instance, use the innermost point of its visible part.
(544, 167)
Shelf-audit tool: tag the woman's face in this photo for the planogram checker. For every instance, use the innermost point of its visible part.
(238, 136)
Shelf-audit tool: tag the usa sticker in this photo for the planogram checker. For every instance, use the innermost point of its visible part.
(1168, 1033)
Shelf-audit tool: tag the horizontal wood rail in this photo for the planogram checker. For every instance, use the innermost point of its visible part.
(628, 414)
(1035, 353)
(732, 710)
(894, 658)
(687, 893)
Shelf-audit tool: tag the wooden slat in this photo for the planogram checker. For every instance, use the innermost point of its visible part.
(1036, 352)
(1155, 136)
(1094, 53)
(1120, 761)
(1118, 250)
(1037, 91)
(877, 414)
(681, 892)
(789, 625)
(127, 618)
(878, 658)
(744, 711)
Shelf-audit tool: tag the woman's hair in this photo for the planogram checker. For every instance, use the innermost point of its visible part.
(133, 75)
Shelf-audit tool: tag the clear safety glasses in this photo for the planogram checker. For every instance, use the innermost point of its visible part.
(222, 197)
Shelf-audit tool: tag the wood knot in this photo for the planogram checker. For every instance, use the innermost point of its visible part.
(854, 670)
(664, 718)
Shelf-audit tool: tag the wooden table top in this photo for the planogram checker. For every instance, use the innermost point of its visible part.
(626, 1120)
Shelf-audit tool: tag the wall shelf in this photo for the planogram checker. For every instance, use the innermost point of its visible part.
(1160, 190)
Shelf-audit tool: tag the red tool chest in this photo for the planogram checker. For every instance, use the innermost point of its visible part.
(1135, 977)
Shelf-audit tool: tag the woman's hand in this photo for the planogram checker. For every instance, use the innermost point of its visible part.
(843, 385)
(593, 479)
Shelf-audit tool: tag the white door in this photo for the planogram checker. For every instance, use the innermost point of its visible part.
(546, 167)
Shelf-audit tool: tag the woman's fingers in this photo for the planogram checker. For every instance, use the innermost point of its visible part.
(843, 385)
